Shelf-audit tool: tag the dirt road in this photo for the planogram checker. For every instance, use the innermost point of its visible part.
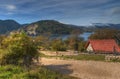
(84, 69)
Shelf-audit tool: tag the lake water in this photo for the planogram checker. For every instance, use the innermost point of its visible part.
(85, 36)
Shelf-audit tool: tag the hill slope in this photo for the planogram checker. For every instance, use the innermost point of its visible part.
(8, 25)
(50, 26)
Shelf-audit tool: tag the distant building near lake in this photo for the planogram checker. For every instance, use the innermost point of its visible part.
(102, 46)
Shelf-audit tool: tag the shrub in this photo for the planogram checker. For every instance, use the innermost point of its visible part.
(20, 50)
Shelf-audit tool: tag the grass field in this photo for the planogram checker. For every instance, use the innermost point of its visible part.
(94, 57)
(86, 57)
(17, 72)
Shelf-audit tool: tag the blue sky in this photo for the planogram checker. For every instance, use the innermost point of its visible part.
(77, 12)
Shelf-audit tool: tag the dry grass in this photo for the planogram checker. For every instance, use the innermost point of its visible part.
(84, 69)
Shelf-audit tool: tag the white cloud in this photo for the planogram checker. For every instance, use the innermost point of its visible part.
(11, 7)
(8, 9)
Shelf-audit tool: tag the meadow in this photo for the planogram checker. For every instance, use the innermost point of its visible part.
(17, 72)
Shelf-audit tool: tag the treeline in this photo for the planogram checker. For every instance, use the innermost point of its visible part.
(105, 34)
(74, 43)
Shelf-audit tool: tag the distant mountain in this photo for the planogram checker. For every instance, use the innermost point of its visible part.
(50, 26)
(24, 25)
(96, 26)
(106, 25)
(8, 25)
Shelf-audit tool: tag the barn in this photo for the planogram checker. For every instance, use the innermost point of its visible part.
(103, 46)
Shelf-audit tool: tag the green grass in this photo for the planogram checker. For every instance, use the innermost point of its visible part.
(94, 57)
(86, 57)
(17, 72)
(115, 60)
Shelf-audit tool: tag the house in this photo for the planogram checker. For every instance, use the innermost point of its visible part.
(102, 46)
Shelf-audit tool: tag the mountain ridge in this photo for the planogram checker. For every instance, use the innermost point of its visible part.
(50, 26)
(8, 25)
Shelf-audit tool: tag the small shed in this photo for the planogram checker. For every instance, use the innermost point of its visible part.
(102, 46)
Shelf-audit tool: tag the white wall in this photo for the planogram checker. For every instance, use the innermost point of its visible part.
(89, 48)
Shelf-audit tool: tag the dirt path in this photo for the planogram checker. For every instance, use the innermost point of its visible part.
(84, 69)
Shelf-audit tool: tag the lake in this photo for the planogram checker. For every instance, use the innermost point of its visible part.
(85, 36)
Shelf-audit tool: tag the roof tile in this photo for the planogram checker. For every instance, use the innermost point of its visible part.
(106, 45)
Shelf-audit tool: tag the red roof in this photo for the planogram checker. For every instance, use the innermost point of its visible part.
(106, 45)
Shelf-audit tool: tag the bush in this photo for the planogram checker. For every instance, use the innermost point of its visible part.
(20, 50)
(58, 45)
